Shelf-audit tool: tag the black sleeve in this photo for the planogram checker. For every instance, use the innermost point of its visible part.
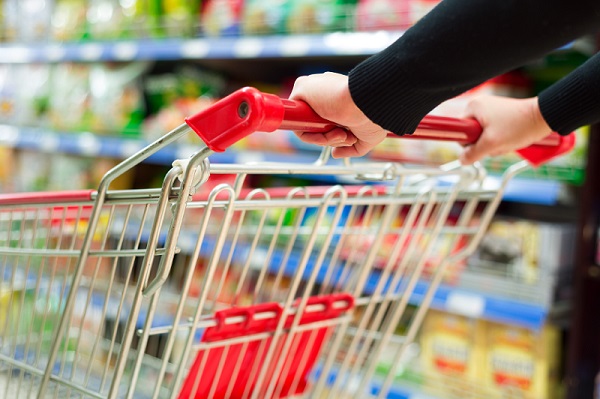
(459, 45)
(573, 101)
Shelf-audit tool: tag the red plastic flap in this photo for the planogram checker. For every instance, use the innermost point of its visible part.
(538, 154)
(329, 309)
(231, 371)
(249, 324)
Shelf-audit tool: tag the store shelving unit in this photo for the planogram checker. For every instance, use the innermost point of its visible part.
(451, 298)
(238, 47)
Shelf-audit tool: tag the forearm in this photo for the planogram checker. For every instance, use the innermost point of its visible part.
(459, 45)
(573, 101)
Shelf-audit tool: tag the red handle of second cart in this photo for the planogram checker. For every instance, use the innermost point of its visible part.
(248, 110)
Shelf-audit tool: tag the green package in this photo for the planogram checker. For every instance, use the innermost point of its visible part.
(266, 16)
(69, 21)
(317, 16)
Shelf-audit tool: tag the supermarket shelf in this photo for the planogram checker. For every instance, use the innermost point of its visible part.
(453, 299)
(492, 307)
(398, 390)
(533, 191)
(95, 145)
(334, 44)
(232, 47)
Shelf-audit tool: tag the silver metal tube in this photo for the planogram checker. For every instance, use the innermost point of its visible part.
(151, 247)
(108, 178)
(211, 268)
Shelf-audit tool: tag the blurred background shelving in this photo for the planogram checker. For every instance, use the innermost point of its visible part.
(86, 83)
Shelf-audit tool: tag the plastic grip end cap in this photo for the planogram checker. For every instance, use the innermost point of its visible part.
(236, 116)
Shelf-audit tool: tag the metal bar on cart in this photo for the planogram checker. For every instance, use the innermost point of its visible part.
(108, 178)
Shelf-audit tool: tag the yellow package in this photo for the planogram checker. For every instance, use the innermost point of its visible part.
(451, 353)
(9, 314)
(521, 363)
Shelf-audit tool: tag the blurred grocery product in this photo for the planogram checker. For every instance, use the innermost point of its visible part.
(382, 14)
(521, 362)
(419, 8)
(523, 250)
(69, 20)
(76, 20)
(33, 169)
(116, 98)
(37, 13)
(175, 95)
(265, 16)
(222, 17)
(8, 93)
(180, 18)
(463, 357)
(452, 352)
(105, 19)
(314, 16)
(104, 98)
(8, 170)
(33, 95)
(136, 19)
(70, 99)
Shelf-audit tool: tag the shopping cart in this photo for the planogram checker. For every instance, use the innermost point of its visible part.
(214, 286)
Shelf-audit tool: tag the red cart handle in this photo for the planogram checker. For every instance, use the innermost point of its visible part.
(248, 110)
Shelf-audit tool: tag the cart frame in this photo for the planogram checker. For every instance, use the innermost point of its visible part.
(223, 124)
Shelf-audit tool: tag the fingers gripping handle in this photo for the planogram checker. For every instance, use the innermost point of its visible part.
(468, 131)
(248, 110)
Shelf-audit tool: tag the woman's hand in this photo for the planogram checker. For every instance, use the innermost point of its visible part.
(508, 124)
(329, 96)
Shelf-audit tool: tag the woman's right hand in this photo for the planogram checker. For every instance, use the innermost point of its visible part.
(329, 96)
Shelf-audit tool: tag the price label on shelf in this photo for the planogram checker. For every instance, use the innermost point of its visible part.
(295, 46)
(343, 43)
(125, 51)
(17, 54)
(91, 52)
(55, 53)
(130, 147)
(9, 135)
(49, 142)
(195, 48)
(250, 157)
(467, 304)
(88, 144)
(248, 47)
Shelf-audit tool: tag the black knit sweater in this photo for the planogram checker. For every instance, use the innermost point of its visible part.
(462, 43)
